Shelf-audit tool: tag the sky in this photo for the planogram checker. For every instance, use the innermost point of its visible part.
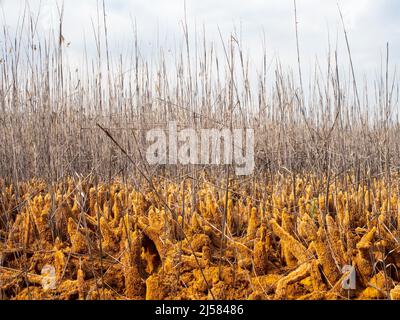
(370, 25)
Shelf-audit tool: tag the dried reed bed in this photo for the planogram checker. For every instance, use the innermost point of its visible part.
(49, 110)
(340, 133)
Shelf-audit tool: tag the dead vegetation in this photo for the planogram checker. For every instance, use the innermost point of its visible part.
(118, 242)
(325, 192)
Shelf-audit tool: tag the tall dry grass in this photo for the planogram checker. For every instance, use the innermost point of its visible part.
(49, 110)
(329, 129)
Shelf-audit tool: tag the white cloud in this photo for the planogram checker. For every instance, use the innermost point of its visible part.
(369, 23)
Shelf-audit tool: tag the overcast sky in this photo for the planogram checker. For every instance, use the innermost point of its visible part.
(370, 24)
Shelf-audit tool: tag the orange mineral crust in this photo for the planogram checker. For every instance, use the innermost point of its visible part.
(279, 239)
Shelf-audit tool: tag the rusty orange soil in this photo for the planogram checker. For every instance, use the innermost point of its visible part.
(272, 240)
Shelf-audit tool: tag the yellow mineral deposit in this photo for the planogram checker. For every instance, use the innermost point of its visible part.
(118, 242)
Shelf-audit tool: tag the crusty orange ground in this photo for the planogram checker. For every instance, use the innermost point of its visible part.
(275, 240)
